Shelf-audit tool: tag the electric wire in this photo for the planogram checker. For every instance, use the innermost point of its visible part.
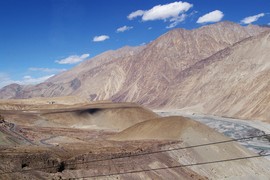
(140, 154)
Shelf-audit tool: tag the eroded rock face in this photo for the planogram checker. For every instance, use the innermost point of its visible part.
(75, 84)
(11, 91)
(166, 72)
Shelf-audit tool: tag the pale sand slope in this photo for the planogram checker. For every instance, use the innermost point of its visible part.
(195, 133)
(103, 118)
(42, 103)
(63, 140)
(94, 115)
(45, 100)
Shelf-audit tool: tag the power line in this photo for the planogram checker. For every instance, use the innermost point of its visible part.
(141, 154)
(173, 167)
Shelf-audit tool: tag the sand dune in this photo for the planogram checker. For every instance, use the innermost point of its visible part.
(192, 133)
(111, 118)
(167, 128)
(94, 115)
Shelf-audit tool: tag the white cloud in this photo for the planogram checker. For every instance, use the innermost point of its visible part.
(214, 16)
(163, 12)
(252, 19)
(100, 38)
(142, 44)
(26, 80)
(174, 12)
(150, 28)
(175, 21)
(135, 14)
(4, 80)
(124, 28)
(73, 59)
(47, 70)
(30, 80)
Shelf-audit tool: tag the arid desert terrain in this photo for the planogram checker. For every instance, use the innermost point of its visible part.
(73, 139)
(191, 104)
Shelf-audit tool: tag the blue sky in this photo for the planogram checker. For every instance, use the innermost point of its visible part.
(39, 38)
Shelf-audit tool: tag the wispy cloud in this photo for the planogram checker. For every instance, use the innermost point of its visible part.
(100, 38)
(124, 28)
(46, 70)
(73, 59)
(26, 80)
(174, 12)
(135, 14)
(175, 21)
(32, 80)
(142, 44)
(251, 19)
(4, 80)
(214, 16)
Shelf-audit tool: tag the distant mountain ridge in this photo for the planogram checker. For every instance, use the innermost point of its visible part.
(166, 72)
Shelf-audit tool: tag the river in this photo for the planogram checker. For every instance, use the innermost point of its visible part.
(234, 128)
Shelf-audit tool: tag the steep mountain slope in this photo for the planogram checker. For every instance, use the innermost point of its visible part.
(100, 75)
(164, 73)
(234, 82)
(155, 69)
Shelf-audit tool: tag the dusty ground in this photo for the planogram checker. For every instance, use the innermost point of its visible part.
(54, 141)
(105, 140)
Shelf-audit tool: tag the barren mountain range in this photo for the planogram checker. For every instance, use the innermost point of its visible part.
(69, 128)
(220, 69)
